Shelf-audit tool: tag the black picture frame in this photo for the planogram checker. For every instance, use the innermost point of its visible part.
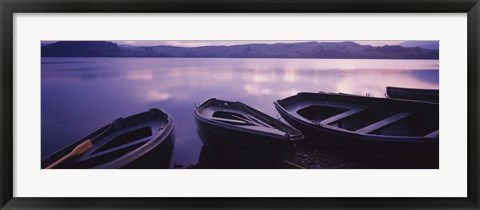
(10, 7)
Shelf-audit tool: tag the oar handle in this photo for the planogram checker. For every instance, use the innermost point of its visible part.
(79, 149)
(61, 160)
(293, 164)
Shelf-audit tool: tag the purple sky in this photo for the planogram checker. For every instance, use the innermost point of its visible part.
(200, 43)
(227, 43)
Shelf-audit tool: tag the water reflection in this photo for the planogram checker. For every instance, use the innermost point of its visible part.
(257, 90)
(146, 74)
(76, 101)
(290, 75)
(260, 75)
(154, 95)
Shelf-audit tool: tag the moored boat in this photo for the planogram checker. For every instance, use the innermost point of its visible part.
(241, 133)
(144, 140)
(413, 94)
(378, 129)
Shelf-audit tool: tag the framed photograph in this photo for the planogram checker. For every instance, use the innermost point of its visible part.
(252, 105)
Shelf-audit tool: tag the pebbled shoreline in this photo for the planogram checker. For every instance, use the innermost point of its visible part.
(306, 155)
(310, 156)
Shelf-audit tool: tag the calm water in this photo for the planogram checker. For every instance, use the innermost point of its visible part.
(81, 94)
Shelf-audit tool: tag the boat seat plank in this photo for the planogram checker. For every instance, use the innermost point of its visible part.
(229, 120)
(296, 107)
(342, 115)
(384, 122)
(111, 150)
(252, 121)
(432, 134)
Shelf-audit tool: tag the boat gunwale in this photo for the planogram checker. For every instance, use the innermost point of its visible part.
(411, 89)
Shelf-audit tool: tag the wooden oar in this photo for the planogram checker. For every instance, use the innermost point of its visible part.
(252, 121)
(260, 122)
(245, 120)
(293, 164)
(79, 149)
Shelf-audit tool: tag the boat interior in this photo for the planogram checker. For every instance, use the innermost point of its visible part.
(123, 140)
(246, 120)
(374, 120)
(237, 118)
(240, 115)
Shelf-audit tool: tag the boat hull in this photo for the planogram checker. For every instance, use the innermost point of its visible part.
(248, 148)
(158, 158)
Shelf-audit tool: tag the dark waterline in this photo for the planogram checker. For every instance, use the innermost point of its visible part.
(79, 95)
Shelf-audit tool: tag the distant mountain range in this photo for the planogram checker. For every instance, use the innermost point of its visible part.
(279, 50)
(431, 45)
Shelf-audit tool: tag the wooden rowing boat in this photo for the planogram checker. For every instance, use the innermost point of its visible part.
(377, 129)
(143, 140)
(239, 132)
